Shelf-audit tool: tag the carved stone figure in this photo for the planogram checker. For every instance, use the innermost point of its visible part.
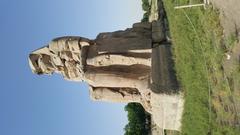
(116, 65)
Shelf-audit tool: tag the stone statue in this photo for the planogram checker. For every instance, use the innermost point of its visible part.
(116, 65)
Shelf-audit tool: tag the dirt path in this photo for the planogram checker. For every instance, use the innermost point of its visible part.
(229, 14)
(230, 20)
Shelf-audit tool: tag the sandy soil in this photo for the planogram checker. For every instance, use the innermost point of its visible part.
(229, 14)
(230, 20)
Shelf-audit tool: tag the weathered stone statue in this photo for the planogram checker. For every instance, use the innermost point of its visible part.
(116, 65)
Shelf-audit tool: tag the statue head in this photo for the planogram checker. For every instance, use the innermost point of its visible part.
(40, 61)
(62, 55)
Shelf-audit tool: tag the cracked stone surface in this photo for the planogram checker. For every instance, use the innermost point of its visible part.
(117, 66)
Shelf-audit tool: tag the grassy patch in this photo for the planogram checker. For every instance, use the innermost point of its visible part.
(198, 53)
(230, 42)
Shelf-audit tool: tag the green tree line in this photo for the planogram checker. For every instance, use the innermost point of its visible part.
(138, 120)
(146, 7)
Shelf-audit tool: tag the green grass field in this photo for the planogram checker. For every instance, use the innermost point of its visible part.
(199, 50)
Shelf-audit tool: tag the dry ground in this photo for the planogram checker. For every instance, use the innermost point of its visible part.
(230, 20)
(230, 15)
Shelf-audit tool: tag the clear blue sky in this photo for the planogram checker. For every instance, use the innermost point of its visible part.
(49, 105)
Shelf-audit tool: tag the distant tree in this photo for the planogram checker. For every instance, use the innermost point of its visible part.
(146, 7)
(145, 17)
(137, 117)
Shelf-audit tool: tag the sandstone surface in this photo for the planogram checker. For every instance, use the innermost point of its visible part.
(118, 66)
